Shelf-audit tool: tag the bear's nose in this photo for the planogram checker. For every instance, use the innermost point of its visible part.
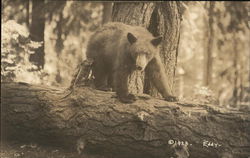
(138, 67)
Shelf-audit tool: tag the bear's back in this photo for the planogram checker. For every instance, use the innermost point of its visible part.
(139, 31)
(122, 30)
(111, 39)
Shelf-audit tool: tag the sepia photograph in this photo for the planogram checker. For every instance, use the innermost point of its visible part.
(125, 79)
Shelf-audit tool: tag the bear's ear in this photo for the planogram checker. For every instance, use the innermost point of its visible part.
(156, 41)
(131, 38)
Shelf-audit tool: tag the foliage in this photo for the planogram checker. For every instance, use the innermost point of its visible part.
(16, 48)
(68, 26)
(66, 33)
(230, 50)
(15, 10)
(204, 95)
(191, 49)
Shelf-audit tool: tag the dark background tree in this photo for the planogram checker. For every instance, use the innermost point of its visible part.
(210, 45)
(37, 32)
(107, 12)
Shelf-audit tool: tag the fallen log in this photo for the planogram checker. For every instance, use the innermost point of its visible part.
(92, 121)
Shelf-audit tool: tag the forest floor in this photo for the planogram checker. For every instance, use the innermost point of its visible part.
(16, 149)
(21, 150)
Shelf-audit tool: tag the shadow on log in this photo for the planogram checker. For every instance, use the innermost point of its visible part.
(96, 122)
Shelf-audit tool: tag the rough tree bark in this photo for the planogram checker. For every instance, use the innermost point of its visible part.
(161, 18)
(108, 127)
(107, 12)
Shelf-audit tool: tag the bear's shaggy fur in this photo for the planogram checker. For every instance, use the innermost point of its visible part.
(117, 50)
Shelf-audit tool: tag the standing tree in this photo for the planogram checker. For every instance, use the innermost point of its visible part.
(210, 45)
(37, 32)
(107, 11)
(239, 26)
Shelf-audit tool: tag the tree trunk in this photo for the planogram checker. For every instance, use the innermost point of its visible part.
(146, 128)
(208, 56)
(238, 73)
(107, 12)
(37, 31)
(28, 13)
(161, 18)
(59, 45)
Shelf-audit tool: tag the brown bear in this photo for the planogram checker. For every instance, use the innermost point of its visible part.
(117, 50)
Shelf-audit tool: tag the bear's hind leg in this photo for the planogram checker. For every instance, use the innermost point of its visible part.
(111, 81)
(100, 76)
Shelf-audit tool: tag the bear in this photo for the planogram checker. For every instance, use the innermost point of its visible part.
(118, 49)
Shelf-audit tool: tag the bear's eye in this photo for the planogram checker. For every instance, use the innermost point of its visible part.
(146, 53)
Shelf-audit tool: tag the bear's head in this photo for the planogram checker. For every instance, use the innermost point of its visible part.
(143, 50)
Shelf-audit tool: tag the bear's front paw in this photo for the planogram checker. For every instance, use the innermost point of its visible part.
(130, 98)
(171, 98)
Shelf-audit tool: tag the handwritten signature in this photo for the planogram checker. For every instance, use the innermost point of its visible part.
(204, 143)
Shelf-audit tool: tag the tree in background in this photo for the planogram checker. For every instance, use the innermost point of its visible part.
(67, 27)
(210, 45)
(55, 8)
(230, 52)
(15, 10)
(239, 28)
(214, 38)
(67, 30)
(37, 32)
(107, 12)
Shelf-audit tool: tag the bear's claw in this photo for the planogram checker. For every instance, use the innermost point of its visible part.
(106, 89)
(130, 98)
(172, 98)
